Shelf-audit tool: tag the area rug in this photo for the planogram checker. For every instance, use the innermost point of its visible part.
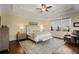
(47, 47)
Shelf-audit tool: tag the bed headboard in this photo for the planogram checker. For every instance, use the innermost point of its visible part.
(31, 29)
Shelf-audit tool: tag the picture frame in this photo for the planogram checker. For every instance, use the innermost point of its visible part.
(76, 24)
(33, 23)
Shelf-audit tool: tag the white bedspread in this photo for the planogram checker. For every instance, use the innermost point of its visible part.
(40, 36)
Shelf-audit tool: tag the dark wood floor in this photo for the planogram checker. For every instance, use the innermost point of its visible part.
(15, 48)
(68, 49)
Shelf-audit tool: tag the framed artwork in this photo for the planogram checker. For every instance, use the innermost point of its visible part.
(76, 24)
(33, 23)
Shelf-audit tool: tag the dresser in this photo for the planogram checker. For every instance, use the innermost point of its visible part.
(4, 38)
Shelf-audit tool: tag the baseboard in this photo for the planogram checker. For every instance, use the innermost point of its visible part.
(22, 40)
(4, 51)
(17, 40)
(58, 37)
(13, 41)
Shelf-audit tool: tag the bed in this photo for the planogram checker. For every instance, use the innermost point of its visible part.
(36, 34)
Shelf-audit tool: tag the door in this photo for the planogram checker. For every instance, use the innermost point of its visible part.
(5, 38)
(0, 41)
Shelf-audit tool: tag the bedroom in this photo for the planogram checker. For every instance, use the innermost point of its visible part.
(24, 18)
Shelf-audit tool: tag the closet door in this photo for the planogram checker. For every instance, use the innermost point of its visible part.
(5, 38)
(0, 41)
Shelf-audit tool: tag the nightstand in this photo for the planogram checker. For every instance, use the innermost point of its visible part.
(21, 36)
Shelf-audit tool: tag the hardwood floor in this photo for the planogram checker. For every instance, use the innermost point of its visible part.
(68, 49)
(15, 48)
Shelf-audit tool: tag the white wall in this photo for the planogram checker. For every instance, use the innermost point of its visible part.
(14, 26)
(6, 12)
(0, 10)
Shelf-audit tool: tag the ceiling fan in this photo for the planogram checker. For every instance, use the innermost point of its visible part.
(44, 7)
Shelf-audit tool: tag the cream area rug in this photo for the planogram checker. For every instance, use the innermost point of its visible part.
(47, 47)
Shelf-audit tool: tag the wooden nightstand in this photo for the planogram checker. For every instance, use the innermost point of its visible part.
(21, 36)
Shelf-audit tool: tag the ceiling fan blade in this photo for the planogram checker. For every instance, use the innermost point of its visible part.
(49, 6)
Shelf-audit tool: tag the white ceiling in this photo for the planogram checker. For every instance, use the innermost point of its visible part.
(30, 11)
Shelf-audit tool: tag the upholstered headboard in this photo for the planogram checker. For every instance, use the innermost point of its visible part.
(31, 29)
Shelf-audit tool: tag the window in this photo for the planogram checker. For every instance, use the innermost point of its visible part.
(61, 25)
(56, 25)
(66, 23)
